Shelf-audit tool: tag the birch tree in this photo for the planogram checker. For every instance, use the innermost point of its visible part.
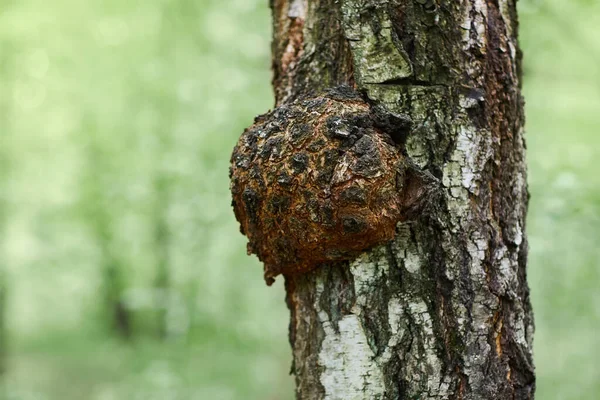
(442, 310)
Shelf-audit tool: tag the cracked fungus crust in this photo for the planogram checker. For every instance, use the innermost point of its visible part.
(316, 181)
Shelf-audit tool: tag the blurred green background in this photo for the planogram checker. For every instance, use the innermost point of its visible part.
(122, 271)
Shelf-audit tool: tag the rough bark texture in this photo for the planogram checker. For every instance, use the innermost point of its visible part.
(442, 311)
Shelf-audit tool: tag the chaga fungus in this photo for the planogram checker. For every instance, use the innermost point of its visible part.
(317, 181)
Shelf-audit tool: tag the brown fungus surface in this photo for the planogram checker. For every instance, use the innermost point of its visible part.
(317, 181)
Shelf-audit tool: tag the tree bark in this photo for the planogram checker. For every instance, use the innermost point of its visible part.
(442, 311)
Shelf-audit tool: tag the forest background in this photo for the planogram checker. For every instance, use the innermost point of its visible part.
(123, 274)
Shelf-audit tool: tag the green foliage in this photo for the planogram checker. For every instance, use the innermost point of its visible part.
(117, 121)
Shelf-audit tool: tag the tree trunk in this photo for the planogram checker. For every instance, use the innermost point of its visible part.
(95, 207)
(442, 311)
(6, 80)
(161, 248)
(165, 124)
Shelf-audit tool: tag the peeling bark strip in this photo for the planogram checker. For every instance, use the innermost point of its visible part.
(442, 311)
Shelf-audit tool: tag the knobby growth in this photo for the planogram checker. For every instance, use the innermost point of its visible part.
(321, 180)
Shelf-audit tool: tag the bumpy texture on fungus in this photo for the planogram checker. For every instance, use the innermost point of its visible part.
(317, 181)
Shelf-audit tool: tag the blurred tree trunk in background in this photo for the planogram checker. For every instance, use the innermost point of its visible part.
(97, 212)
(5, 116)
(161, 243)
(443, 311)
(164, 103)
